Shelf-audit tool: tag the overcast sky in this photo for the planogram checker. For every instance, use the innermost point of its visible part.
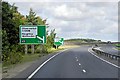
(96, 19)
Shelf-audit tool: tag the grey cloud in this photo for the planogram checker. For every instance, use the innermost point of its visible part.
(86, 19)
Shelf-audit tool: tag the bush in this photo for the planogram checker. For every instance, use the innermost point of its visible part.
(20, 48)
(29, 51)
(15, 57)
(11, 58)
(37, 50)
(41, 49)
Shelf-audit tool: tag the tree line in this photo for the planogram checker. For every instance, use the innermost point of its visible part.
(83, 40)
(12, 51)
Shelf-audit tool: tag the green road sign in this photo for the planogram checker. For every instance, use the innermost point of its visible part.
(32, 34)
(58, 41)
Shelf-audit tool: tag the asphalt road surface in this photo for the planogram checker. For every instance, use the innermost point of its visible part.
(77, 63)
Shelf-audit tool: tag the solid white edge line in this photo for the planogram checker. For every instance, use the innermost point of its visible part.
(103, 59)
(43, 65)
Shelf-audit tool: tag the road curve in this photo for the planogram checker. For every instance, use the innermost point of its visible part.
(77, 63)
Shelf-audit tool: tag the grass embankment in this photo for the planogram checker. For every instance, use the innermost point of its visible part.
(25, 58)
(68, 46)
(118, 46)
(32, 57)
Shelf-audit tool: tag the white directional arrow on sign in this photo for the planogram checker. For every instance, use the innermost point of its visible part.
(40, 38)
(61, 42)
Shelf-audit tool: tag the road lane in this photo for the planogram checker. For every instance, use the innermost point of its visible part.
(65, 65)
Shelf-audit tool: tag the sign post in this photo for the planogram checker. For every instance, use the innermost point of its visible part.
(58, 42)
(32, 34)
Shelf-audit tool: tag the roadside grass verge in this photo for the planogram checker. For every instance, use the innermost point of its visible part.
(52, 50)
(117, 46)
(35, 56)
(25, 58)
(32, 57)
(68, 46)
(10, 70)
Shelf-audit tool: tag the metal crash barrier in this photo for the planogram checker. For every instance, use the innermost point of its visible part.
(111, 56)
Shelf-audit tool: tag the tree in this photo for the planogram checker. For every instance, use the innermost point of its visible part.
(32, 20)
(8, 28)
(11, 19)
(10, 34)
(50, 39)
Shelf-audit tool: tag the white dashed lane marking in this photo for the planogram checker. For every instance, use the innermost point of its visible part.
(76, 57)
(79, 64)
(77, 60)
(84, 71)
